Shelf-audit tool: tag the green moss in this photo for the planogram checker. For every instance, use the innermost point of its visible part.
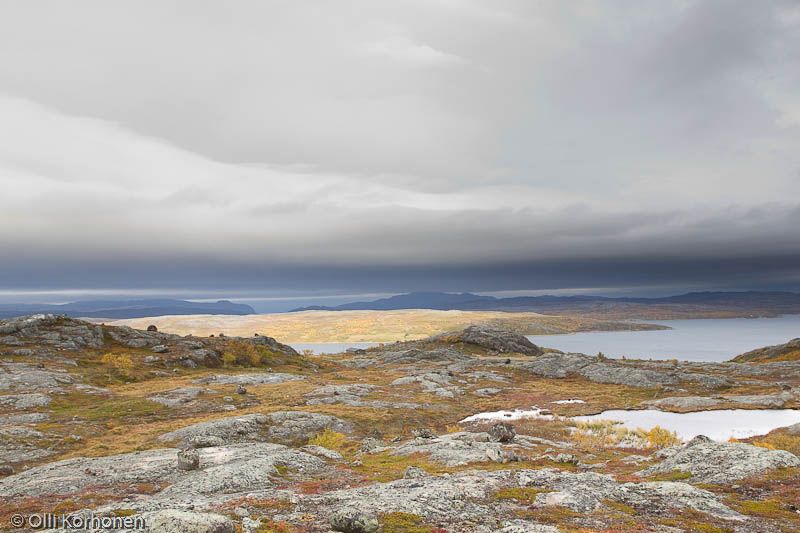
(620, 507)
(523, 494)
(675, 475)
(403, 523)
(92, 408)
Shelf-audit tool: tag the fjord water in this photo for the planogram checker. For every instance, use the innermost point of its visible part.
(688, 340)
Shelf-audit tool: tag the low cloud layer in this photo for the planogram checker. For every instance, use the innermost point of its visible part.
(438, 144)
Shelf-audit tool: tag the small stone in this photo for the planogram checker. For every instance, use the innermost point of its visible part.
(227, 398)
(414, 472)
(370, 444)
(249, 525)
(6, 470)
(159, 348)
(352, 520)
(502, 432)
(423, 433)
(206, 441)
(188, 459)
(152, 359)
(501, 455)
(568, 458)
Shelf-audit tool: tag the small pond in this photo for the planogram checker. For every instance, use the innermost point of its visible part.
(329, 347)
(719, 424)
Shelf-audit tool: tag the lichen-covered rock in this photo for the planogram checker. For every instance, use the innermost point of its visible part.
(225, 428)
(558, 365)
(206, 441)
(423, 433)
(498, 340)
(321, 451)
(269, 342)
(173, 521)
(370, 445)
(227, 470)
(25, 401)
(413, 356)
(683, 402)
(353, 520)
(502, 432)
(188, 459)
(523, 526)
(281, 426)
(255, 379)
(181, 396)
(722, 463)
(414, 472)
(28, 377)
(458, 449)
(502, 455)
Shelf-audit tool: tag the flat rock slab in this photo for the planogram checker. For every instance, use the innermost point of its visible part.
(557, 365)
(173, 521)
(25, 401)
(26, 376)
(268, 378)
(280, 426)
(413, 356)
(457, 449)
(181, 396)
(450, 497)
(684, 402)
(224, 469)
(721, 463)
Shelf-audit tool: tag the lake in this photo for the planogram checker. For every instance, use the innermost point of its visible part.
(689, 340)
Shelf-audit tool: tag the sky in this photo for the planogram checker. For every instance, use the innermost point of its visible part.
(316, 149)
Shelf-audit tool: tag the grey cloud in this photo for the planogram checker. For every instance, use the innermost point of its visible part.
(498, 145)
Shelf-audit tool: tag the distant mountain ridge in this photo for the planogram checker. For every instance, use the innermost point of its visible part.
(738, 303)
(128, 308)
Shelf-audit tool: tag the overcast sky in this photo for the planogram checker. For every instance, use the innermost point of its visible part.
(371, 146)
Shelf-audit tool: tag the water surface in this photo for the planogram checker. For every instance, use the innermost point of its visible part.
(689, 340)
(329, 347)
(719, 424)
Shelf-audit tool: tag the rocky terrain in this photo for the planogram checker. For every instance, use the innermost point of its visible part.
(789, 351)
(226, 434)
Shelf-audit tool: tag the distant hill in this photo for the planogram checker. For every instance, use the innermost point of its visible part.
(128, 308)
(689, 305)
(414, 300)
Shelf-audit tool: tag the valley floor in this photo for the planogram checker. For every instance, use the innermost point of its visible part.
(373, 326)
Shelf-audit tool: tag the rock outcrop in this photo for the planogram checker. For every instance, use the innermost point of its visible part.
(496, 340)
(721, 463)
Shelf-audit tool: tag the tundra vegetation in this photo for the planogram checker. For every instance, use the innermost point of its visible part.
(93, 417)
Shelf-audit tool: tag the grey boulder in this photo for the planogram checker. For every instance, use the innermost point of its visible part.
(353, 520)
(173, 521)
